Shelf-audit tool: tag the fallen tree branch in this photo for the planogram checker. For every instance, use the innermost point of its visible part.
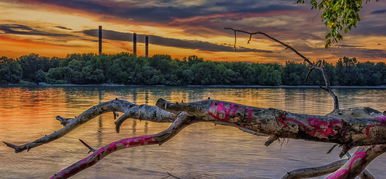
(334, 129)
(181, 121)
(131, 110)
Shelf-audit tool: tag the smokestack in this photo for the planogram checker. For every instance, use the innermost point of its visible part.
(100, 40)
(134, 43)
(147, 46)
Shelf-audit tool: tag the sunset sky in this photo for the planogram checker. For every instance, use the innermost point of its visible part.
(182, 28)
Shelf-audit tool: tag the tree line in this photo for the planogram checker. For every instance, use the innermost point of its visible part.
(125, 68)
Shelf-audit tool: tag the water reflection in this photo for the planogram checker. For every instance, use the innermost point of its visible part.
(100, 123)
(202, 150)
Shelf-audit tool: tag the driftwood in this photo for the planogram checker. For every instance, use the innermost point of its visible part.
(364, 128)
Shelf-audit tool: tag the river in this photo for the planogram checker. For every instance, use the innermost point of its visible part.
(200, 151)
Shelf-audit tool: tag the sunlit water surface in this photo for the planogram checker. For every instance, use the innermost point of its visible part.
(202, 150)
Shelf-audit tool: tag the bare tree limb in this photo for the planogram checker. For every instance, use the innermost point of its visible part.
(366, 173)
(143, 112)
(181, 121)
(313, 66)
(342, 130)
(272, 38)
(315, 171)
(358, 163)
(323, 170)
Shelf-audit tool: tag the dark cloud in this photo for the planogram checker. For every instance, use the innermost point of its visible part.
(190, 44)
(165, 11)
(382, 11)
(373, 53)
(155, 11)
(350, 50)
(338, 51)
(126, 10)
(348, 46)
(26, 30)
(375, 27)
(62, 27)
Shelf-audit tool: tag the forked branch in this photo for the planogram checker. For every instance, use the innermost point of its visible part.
(142, 112)
(313, 66)
(182, 120)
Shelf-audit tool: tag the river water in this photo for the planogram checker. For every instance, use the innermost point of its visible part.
(202, 150)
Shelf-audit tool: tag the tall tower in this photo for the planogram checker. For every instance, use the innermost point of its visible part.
(134, 43)
(147, 46)
(100, 40)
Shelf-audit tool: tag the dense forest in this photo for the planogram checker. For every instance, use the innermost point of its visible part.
(163, 70)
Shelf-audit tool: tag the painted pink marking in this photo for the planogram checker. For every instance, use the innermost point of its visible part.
(282, 118)
(284, 121)
(250, 113)
(338, 174)
(382, 122)
(324, 128)
(219, 108)
(314, 126)
(343, 172)
(97, 155)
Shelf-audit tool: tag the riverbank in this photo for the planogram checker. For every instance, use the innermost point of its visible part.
(188, 86)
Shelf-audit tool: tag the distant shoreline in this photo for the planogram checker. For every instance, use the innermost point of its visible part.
(191, 86)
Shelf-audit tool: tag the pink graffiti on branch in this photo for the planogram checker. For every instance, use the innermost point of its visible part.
(102, 152)
(314, 127)
(382, 122)
(219, 112)
(357, 157)
(324, 128)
